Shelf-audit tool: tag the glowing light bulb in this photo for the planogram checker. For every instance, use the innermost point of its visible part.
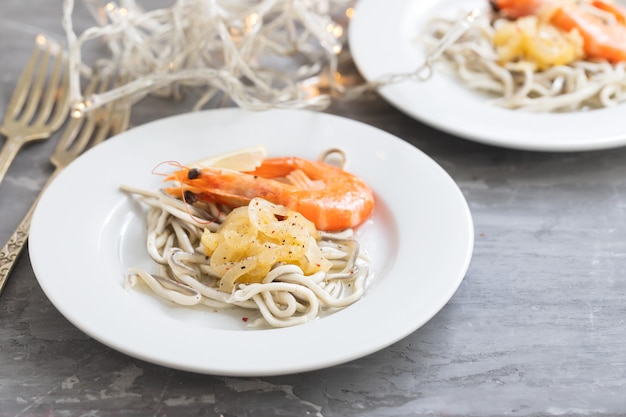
(251, 21)
(335, 30)
(41, 40)
(78, 109)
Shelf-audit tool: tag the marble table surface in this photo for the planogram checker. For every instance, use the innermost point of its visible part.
(536, 328)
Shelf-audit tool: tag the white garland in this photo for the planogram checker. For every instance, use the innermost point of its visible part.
(259, 54)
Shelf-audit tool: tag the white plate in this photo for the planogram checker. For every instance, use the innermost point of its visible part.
(85, 234)
(383, 40)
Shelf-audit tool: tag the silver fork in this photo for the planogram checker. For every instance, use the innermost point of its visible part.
(37, 109)
(79, 135)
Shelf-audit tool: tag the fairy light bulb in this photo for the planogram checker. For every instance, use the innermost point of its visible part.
(311, 90)
(110, 7)
(338, 77)
(41, 40)
(78, 109)
(251, 21)
(235, 33)
(335, 30)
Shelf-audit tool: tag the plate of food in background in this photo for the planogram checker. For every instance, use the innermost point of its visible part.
(542, 75)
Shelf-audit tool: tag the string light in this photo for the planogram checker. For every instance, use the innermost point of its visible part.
(258, 54)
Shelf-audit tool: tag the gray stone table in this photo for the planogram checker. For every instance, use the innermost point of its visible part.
(536, 328)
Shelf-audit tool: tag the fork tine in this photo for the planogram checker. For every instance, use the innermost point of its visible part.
(23, 85)
(52, 91)
(104, 125)
(60, 112)
(96, 125)
(26, 100)
(86, 132)
(114, 117)
(101, 119)
(70, 133)
(36, 88)
(122, 115)
(70, 137)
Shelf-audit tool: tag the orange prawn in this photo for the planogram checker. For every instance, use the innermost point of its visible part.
(332, 198)
(602, 38)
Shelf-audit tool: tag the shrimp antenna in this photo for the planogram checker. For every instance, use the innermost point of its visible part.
(169, 163)
(187, 197)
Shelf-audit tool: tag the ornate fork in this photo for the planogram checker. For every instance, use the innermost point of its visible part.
(79, 135)
(36, 109)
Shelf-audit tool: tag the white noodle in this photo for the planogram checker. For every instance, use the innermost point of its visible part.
(286, 297)
(580, 85)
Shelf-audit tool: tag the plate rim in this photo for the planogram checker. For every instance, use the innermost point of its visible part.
(39, 243)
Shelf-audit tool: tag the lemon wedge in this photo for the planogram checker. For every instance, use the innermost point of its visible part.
(245, 159)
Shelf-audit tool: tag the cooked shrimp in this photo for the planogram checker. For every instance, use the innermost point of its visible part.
(602, 38)
(618, 12)
(517, 8)
(333, 199)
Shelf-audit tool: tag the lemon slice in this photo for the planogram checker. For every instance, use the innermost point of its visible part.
(246, 159)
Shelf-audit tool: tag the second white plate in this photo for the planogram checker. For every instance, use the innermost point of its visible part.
(384, 40)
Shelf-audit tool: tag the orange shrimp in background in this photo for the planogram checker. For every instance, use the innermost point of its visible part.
(602, 39)
(615, 10)
(333, 199)
(517, 8)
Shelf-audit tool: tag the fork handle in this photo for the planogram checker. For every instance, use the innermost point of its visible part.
(9, 150)
(15, 245)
